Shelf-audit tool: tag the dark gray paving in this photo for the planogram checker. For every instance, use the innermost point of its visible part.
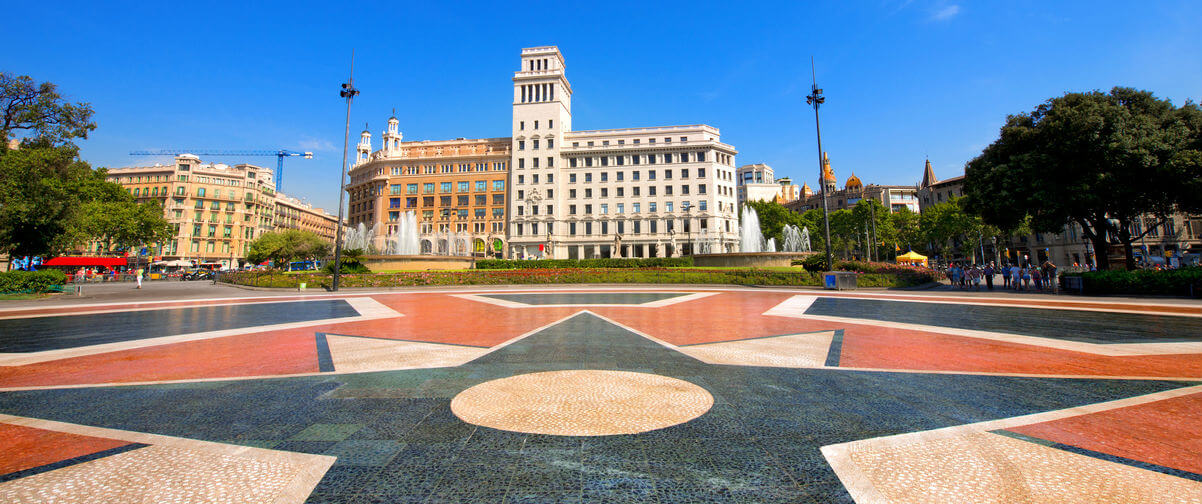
(69, 331)
(398, 441)
(1074, 325)
(591, 298)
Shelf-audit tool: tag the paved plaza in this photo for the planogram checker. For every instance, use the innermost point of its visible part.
(602, 394)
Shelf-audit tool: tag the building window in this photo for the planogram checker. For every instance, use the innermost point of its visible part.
(428, 188)
(634, 207)
(444, 187)
(604, 208)
(621, 208)
(521, 163)
(462, 187)
(521, 145)
(481, 186)
(571, 162)
(498, 185)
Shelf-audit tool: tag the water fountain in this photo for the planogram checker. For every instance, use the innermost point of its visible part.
(750, 237)
(360, 238)
(405, 241)
(403, 249)
(754, 250)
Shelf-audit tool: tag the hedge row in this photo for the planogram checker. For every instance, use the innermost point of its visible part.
(1177, 282)
(648, 262)
(749, 276)
(32, 281)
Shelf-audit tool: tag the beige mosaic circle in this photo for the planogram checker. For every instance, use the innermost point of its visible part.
(582, 403)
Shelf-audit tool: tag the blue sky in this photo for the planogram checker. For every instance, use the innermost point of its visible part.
(904, 79)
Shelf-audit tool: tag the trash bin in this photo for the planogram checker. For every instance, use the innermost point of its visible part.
(839, 280)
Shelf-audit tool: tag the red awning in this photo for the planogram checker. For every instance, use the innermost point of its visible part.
(110, 262)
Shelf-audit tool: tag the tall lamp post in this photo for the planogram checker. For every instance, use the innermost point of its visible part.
(348, 92)
(815, 99)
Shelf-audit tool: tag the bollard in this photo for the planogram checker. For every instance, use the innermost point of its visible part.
(78, 290)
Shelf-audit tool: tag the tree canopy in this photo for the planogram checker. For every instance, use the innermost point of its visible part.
(39, 109)
(283, 247)
(51, 202)
(1100, 160)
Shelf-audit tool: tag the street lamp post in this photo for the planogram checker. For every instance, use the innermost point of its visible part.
(815, 99)
(348, 92)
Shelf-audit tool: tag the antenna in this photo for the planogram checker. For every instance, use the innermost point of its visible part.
(813, 76)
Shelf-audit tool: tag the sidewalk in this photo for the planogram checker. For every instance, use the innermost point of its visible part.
(125, 292)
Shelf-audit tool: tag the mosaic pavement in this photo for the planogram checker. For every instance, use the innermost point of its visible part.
(603, 395)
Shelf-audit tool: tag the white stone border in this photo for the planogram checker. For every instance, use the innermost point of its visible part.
(864, 492)
(311, 468)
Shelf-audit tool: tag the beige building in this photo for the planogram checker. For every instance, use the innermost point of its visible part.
(291, 213)
(217, 210)
(457, 188)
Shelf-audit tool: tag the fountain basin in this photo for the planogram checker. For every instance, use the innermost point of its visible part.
(378, 263)
(749, 259)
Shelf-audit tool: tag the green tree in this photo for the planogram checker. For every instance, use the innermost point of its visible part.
(864, 214)
(1100, 160)
(121, 224)
(283, 247)
(907, 232)
(39, 201)
(942, 225)
(39, 109)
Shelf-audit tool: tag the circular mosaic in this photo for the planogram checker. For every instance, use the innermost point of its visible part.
(582, 403)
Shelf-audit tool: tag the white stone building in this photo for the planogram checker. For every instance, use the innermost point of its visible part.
(633, 192)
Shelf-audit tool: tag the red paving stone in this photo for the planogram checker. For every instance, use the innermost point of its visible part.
(27, 447)
(1166, 432)
(279, 352)
(442, 318)
(883, 347)
(721, 317)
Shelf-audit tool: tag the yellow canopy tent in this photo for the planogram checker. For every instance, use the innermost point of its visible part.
(912, 258)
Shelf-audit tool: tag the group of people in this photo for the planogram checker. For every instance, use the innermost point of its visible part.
(1022, 277)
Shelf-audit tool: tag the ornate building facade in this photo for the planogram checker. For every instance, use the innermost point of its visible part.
(893, 197)
(216, 209)
(632, 192)
(457, 188)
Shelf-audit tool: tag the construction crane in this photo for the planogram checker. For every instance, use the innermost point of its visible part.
(279, 154)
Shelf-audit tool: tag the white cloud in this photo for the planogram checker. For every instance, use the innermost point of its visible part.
(315, 145)
(946, 13)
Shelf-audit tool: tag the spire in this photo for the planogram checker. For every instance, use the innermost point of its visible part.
(928, 175)
(828, 175)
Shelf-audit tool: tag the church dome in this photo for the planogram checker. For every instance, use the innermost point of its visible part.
(853, 182)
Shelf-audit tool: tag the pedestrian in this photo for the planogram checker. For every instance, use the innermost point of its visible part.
(1037, 279)
(1015, 280)
(1026, 275)
(1051, 278)
(1005, 276)
(139, 277)
(974, 275)
(989, 276)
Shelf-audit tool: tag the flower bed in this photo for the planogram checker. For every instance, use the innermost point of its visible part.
(750, 276)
